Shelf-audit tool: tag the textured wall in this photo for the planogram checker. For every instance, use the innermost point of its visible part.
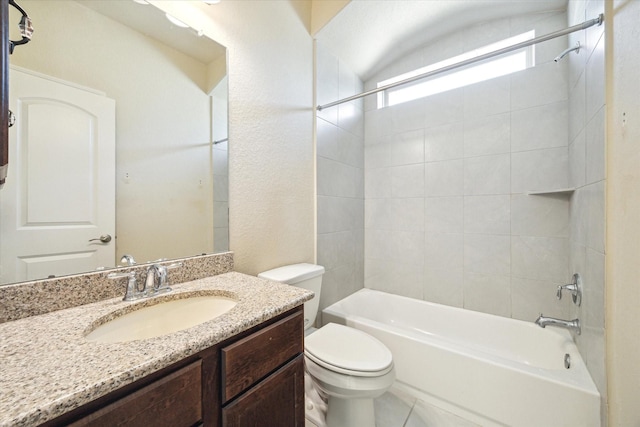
(271, 167)
(623, 212)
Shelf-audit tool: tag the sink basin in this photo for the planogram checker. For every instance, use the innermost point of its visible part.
(161, 319)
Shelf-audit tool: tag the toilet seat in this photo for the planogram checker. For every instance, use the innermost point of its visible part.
(348, 351)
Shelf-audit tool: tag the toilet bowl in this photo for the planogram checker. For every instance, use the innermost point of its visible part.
(346, 366)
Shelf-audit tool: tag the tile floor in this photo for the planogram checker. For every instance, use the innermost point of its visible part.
(398, 409)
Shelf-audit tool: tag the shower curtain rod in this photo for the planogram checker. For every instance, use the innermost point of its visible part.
(586, 24)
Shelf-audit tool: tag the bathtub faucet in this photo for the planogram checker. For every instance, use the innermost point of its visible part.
(572, 325)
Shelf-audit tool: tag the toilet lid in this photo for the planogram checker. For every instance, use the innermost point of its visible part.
(347, 349)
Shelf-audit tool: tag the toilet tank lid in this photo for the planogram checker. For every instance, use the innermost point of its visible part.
(292, 274)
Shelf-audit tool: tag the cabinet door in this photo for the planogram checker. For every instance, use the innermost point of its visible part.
(278, 401)
(172, 401)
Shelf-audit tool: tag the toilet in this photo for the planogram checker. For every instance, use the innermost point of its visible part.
(347, 365)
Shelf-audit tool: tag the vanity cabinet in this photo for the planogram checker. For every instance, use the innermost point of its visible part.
(253, 378)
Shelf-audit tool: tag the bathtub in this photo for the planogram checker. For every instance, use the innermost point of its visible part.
(490, 370)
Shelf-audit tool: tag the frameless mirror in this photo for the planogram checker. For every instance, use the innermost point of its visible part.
(120, 142)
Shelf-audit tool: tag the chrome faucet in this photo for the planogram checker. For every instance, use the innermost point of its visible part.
(572, 325)
(133, 291)
(156, 281)
(128, 260)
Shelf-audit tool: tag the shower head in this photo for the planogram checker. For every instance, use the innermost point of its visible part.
(565, 52)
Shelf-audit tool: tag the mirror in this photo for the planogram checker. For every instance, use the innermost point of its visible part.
(169, 88)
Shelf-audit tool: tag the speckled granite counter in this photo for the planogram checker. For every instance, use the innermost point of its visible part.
(49, 368)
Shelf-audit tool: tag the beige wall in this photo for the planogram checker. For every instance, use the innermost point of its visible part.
(623, 212)
(271, 168)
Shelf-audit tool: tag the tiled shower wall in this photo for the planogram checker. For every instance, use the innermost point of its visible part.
(586, 81)
(340, 180)
(448, 217)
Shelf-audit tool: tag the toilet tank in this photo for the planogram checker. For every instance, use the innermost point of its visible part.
(306, 276)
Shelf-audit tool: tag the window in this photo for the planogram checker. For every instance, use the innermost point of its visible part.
(502, 65)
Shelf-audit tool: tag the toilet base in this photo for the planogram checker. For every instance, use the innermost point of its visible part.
(350, 412)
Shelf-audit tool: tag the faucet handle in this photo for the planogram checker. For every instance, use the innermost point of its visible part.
(574, 287)
(132, 292)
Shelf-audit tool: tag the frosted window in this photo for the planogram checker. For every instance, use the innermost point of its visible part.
(502, 65)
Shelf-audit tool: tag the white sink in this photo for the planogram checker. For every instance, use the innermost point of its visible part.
(161, 319)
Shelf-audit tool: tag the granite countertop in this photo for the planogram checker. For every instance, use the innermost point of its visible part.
(49, 368)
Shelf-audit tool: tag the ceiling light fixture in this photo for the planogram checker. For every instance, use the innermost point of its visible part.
(176, 21)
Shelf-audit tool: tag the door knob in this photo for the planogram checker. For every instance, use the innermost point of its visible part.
(104, 238)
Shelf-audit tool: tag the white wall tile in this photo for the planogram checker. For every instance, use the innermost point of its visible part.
(579, 216)
(443, 251)
(487, 254)
(377, 126)
(540, 258)
(444, 178)
(592, 309)
(377, 183)
(539, 215)
(443, 108)
(540, 85)
(350, 149)
(350, 118)
(488, 135)
(487, 175)
(339, 214)
(530, 297)
(487, 293)
(327, 139)
(487, 98)
(396, 277)
(443, 214)
(577, 107)
(595, 213)
(408, 116)
(577, 161)
(402, 149)
(540, 127)
(445, 142)
(336, 249)
(540, 170)
(395, 214)
(487, 214)
(444, 286)
(404, 246)
(595, 148)
(407, 181)
(595, 80)
(339, 179)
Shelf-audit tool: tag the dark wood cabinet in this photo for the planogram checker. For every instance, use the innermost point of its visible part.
(269, 403)
(253, 379)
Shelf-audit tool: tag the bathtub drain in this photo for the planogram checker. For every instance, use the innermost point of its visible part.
(567, 361)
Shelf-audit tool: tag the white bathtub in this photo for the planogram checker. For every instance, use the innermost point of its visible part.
(487, 369)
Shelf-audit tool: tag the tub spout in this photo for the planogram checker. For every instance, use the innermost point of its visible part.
(572, 325)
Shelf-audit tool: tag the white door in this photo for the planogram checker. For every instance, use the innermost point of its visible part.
(60, 189)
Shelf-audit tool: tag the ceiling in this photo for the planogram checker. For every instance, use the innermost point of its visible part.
(369, 34)
(149, 20)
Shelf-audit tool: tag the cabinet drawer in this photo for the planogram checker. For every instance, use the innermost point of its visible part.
(277, 401)
(252, 358)
(172, 401)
